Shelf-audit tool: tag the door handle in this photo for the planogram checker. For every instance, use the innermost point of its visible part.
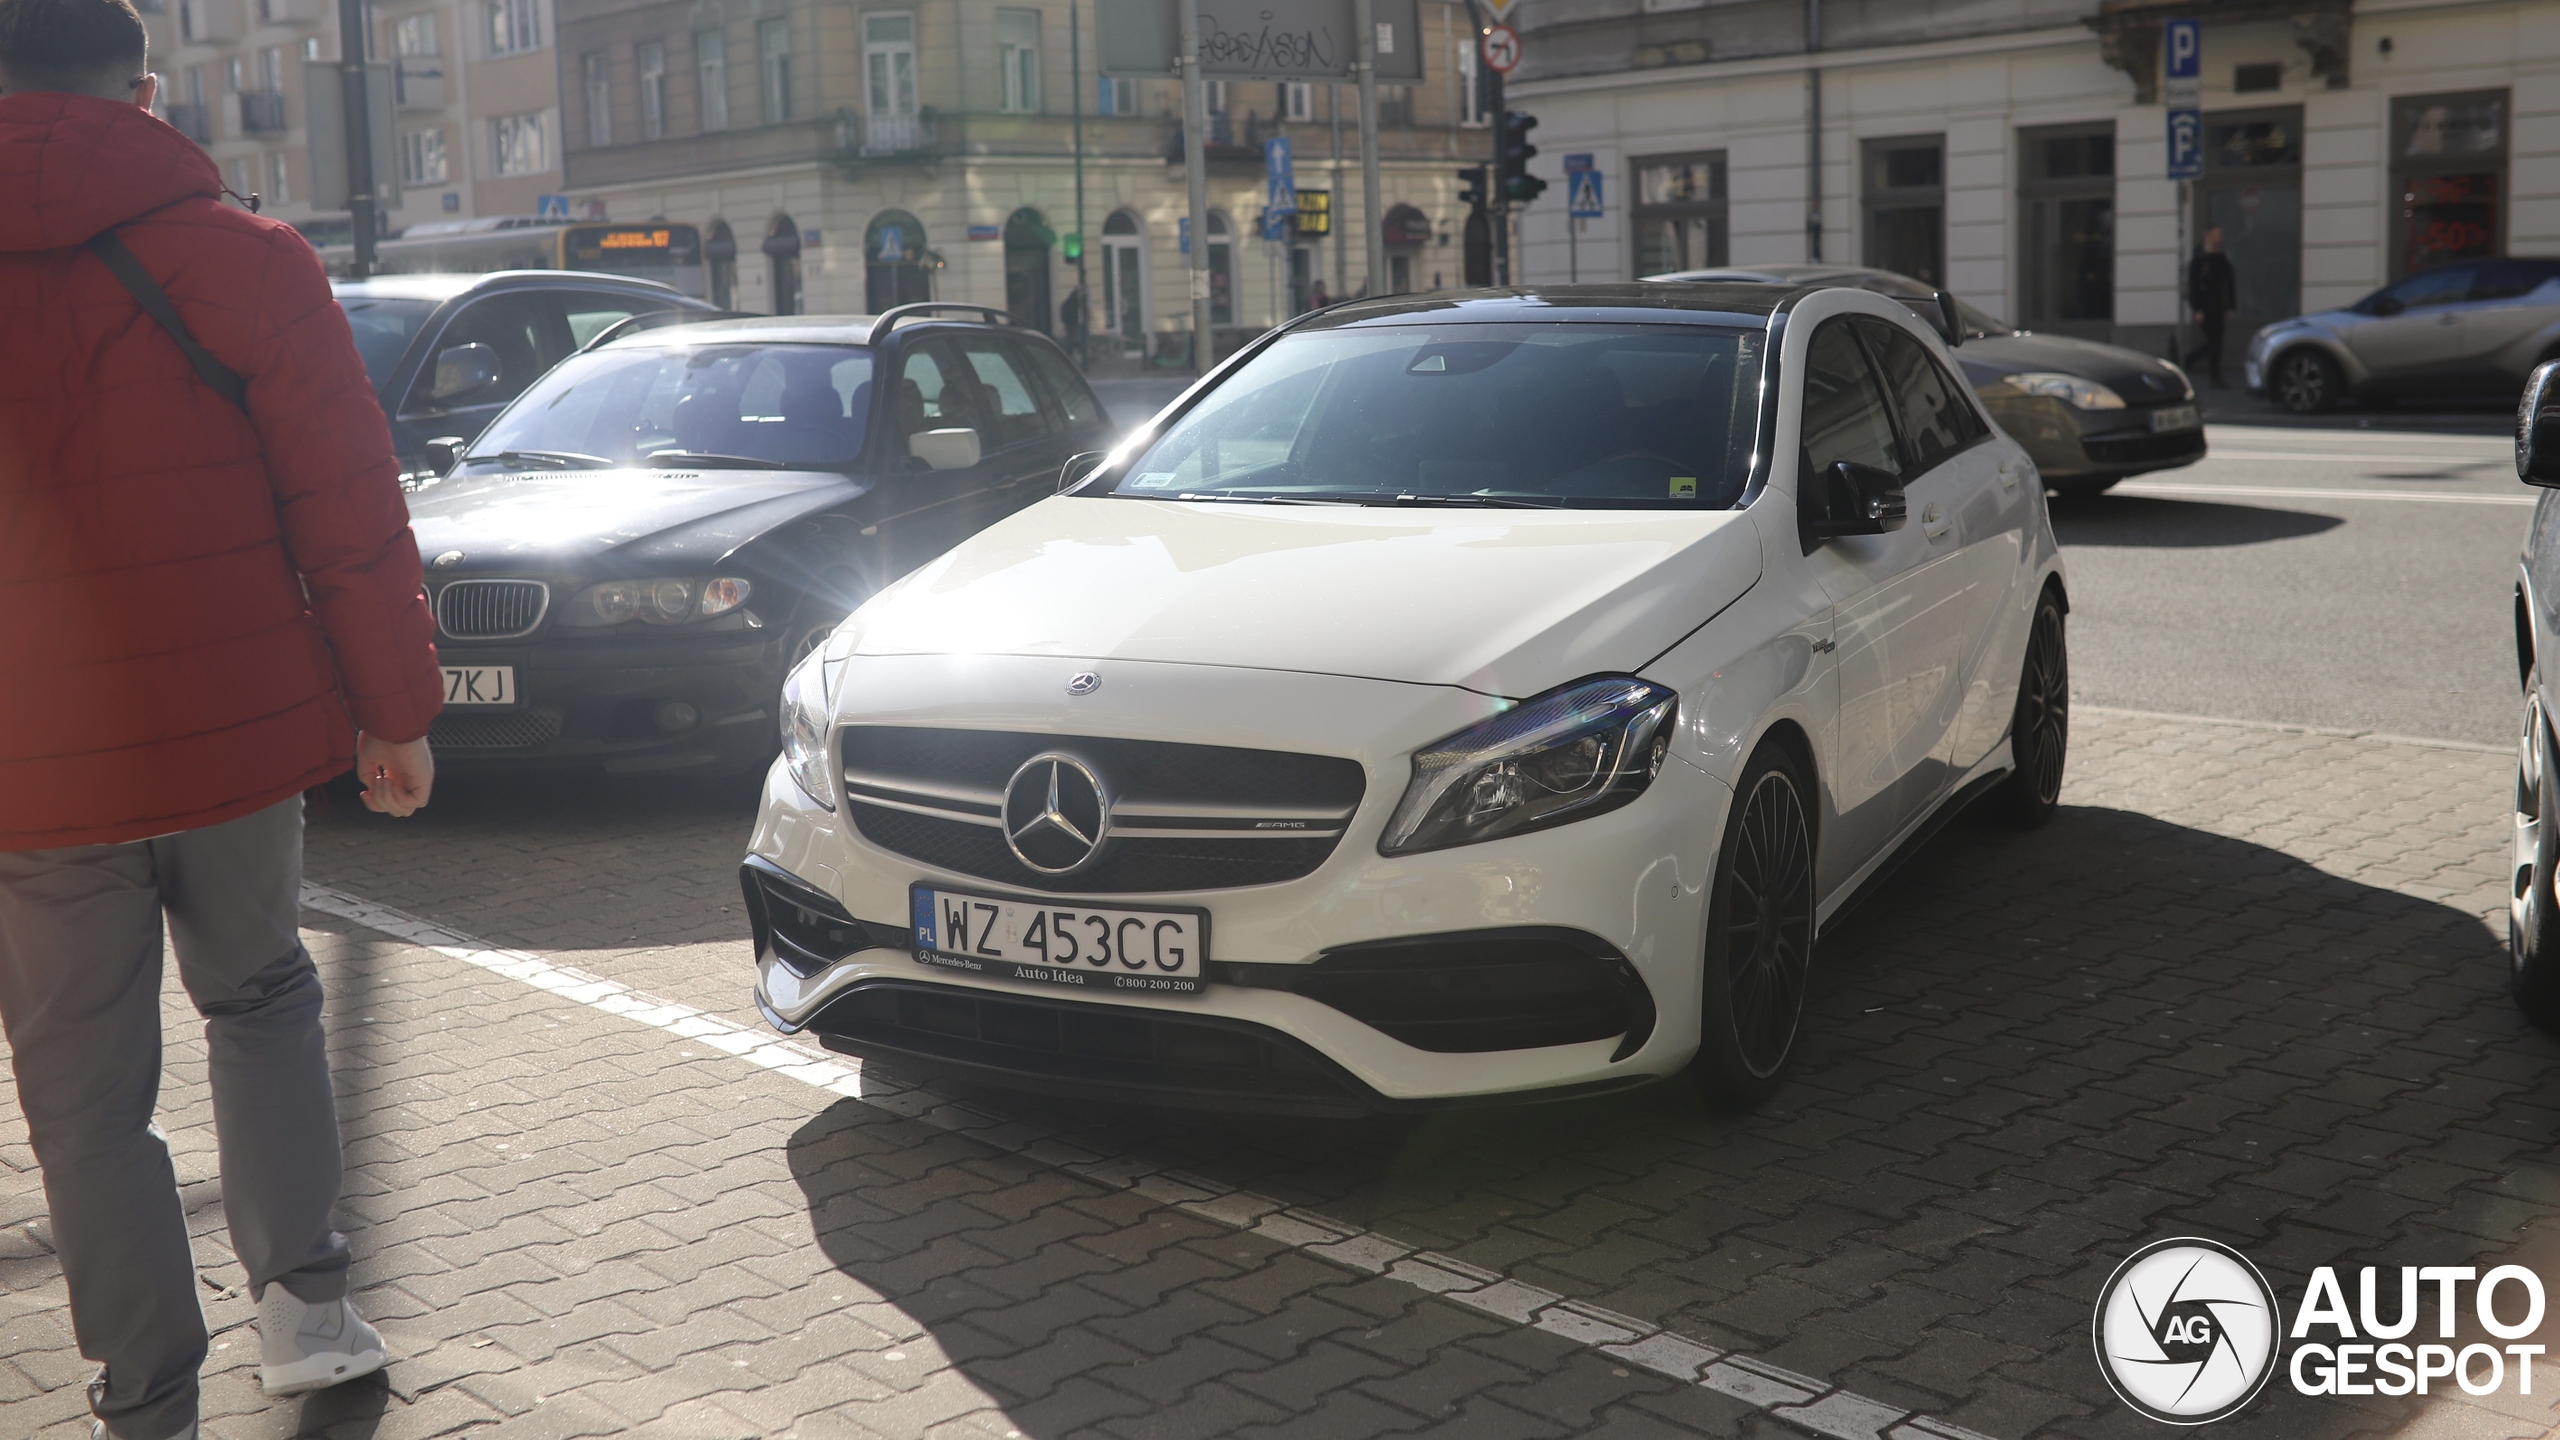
(2009, 474)
(1933, 520)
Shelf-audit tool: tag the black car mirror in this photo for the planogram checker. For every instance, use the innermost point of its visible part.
(1950, 320)
(1847, 498)
(444, 452)
(952, 449)
(463, 370)
(1079, 467)
(2538, 428)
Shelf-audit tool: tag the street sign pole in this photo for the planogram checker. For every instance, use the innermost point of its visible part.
(1364, 27)
(1581, 202)
(359, 133)
(1195, 161)
(1075, 87)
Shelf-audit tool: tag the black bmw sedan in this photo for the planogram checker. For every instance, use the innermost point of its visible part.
(627, 561)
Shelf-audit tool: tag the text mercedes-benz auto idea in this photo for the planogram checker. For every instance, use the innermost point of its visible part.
(1462, 699)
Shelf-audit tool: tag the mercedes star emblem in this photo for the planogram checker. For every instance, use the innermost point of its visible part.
(1083, 682)
(1056, 814)
(448, 560)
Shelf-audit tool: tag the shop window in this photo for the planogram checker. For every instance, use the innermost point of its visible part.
(2449, 168)
(1905, 198)
(2067, 211)
(1679, 213)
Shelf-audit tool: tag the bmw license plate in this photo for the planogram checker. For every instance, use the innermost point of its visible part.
(1075, 946)
(479, 685)
(2174, 417)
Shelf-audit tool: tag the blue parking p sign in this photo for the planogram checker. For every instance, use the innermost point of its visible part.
(2186, 144)
(2182, 69)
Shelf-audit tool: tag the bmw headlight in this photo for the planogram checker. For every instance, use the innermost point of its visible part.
(2078, 392)
(1566, 755)
(670, 601)
(806, 719)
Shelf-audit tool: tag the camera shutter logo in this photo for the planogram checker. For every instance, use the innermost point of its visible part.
(2187, 1331)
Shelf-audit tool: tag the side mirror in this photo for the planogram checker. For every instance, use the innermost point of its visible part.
(1950, 320)
(444, 452)
(1079, 467)
(2388, 305)
(2538, 428)
(463, 370)
(954, 449)
(1852, 499)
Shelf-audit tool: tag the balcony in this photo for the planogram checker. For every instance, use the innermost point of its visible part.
(258, 112)
(295, 12)
(195, 121)
(418, 89)
(886, 135)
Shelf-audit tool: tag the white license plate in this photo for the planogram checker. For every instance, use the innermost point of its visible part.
(2175, 417)
(1068, 945)
(479, 685)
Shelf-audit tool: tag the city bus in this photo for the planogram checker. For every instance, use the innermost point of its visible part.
(649, 249)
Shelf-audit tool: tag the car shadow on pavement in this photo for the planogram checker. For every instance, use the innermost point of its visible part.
(2025, 1056)
(2140, 521)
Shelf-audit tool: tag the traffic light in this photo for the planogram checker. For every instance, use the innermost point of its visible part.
(1518, 185)
(1071, 245)
(1473, 196)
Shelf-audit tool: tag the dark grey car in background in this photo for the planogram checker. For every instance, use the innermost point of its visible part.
(2090, 414)
(2469, 329)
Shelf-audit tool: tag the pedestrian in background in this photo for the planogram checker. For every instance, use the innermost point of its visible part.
(210, 585)
(1317, 299)
(2213, 292)
(1071, 318)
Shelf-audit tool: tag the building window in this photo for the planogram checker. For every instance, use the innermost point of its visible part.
(1222, 269)
(711, 58)
(279, 186)
(653, 91)
(2449, 165)
(311, 47)
(889, 68)
(1018, 55)
(2252, 192)
(271, 69)
(2067, 205)
(422, 157)
(2266, 75)
(1680, 213)
(1474, 94)
(516, 144)
(1214, 93)
(1297, 100)
(241, 184)
(515, 26)
(1115, 97)
(235, 75)
(1905, 196)
(1395, 105)
(773, 53)
(1124, 277)
(413, 37)
(599, 99)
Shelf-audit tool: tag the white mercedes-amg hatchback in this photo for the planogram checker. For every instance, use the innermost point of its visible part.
(1466, 698)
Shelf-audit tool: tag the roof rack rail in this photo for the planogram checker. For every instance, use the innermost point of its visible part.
(891, 316)
(656, 319)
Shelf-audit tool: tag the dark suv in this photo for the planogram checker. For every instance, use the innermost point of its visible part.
(447, 352)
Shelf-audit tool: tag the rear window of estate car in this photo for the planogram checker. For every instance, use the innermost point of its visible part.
(1574, 415)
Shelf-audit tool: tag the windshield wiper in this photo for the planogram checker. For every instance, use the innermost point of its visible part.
(565, 459)
(1233, 498)
(1490, 502)
(669, 459)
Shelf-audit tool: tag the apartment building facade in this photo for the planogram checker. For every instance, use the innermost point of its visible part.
(844, 158)
(476, 93)
(2017, 152)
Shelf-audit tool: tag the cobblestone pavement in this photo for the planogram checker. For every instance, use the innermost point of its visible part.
(2248, 986)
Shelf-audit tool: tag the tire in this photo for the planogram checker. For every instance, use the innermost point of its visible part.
(1759, 951)
(2533, 915)
(2305, 381)
(2040, 726)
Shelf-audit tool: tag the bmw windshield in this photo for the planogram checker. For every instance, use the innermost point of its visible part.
(701, 406)
(1582, 416)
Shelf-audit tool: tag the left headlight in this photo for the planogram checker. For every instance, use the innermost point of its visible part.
(806, 718)
(1563, 756)
(2078, 392)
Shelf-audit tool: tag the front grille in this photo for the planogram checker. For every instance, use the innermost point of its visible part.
(1182, 817)
(491, 609)
(513, 730)
(1169, 1058)
(2142, 449)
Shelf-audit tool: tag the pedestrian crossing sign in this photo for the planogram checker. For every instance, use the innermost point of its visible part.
(1582, 194)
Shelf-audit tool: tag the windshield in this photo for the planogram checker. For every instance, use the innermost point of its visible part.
(383, 330)
(763, 406)
(1580, 415)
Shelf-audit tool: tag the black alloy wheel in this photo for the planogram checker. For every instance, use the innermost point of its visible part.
(2040, 726)
(2533, 917)
(2306, 382)
(1759, 953)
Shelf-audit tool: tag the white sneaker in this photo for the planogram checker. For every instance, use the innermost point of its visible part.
(310, 1347)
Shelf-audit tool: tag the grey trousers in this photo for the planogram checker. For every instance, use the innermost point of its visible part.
(80, 999)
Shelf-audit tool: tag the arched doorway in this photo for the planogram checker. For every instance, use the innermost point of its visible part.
(1407, 230)
(720, 264)
(895, 270)
(1026, 269)
(782, 249)
(1124, 276)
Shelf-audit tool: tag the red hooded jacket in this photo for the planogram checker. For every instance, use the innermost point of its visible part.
(197, 608)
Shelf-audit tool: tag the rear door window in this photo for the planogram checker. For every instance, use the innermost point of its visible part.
(1013, 412)
(1074, 398)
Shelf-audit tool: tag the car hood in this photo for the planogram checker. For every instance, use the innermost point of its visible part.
(563, 519)
(1507, 602)
(2139, 378)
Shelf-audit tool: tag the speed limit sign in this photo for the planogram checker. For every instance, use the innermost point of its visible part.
(1502, 48)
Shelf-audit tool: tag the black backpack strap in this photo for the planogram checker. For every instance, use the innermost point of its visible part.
(226, 382)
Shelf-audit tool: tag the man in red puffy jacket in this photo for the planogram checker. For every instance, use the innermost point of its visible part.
(210, 605)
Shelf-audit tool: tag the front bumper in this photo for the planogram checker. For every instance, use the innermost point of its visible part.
(2069, 444)
(1273, 1027)
(679, 703)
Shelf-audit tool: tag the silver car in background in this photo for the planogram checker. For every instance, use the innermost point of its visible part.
(2472, 328)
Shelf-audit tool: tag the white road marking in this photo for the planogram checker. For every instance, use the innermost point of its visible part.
(2304, 492)
(2360, 457)
(1814, 1405)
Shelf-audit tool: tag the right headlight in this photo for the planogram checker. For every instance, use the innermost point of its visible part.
(1563, 756)
(669, 601)
(2078, 392)
(806, 719)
